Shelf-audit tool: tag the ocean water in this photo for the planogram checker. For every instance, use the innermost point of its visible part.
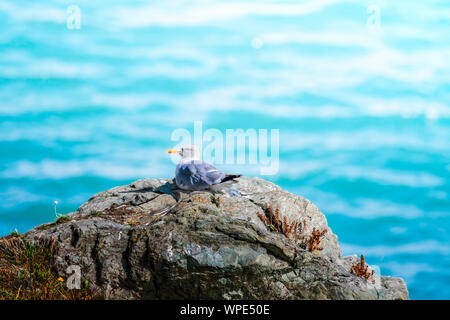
(359, 91)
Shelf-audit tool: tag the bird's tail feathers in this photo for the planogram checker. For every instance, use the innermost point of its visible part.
(231, 177)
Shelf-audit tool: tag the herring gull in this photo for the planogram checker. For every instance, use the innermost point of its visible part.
(193, 174)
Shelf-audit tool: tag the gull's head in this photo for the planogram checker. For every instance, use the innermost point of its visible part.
(188, 152)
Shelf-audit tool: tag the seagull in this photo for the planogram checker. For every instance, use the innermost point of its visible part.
(193, 174)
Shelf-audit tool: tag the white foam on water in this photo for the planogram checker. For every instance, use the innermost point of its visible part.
(13, 196)
(34, 12)
(414, 179)
(408, 270)
(201, 13)
(53, 169)
(426, 247)
(369, 208)
(362, 139)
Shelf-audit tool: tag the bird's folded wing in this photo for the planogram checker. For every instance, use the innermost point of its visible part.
(200, 173)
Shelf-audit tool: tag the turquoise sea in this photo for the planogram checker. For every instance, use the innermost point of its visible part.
(359, 91)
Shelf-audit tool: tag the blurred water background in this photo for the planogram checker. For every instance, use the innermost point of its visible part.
(363, 112)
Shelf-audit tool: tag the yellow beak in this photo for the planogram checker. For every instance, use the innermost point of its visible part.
(173, 151)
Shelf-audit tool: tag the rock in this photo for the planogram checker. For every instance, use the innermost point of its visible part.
(209, 246)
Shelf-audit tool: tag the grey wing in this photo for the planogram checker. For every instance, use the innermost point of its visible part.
(212, 174)
(197, 175)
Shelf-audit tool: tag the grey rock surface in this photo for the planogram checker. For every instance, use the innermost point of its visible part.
(208, 246)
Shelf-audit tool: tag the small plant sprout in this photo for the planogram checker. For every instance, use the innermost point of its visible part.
(56, 213)
(60, 218)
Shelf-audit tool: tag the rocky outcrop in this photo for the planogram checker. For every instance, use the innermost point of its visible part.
(207, 246)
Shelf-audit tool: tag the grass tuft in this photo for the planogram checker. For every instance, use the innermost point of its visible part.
(61, 219)
(26, 273)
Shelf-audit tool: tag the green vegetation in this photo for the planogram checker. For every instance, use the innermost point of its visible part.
(26, 274)
(14, 233)
(61, 219)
